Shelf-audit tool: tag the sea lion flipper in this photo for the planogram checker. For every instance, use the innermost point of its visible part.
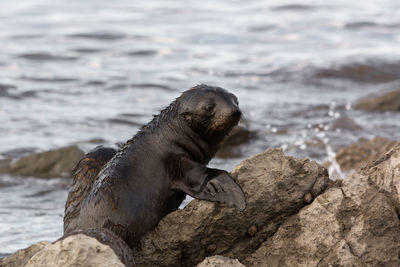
(222, 188)
(213, 185)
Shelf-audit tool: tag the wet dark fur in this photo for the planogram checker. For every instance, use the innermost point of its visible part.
(85, 174)
(151, 174)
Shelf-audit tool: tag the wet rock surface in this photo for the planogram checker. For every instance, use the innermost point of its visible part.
(359, 154)
(353, 223)
(386, 102)
(54, 163)
(275, 186)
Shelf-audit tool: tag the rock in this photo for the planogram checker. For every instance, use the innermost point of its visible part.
(219, 261)
(351, 224)
(94, 247)
(384, 174)
(54, 163)
(109, 238)
(275, 186)
(369, 72)
(386, 102)
(21, 257)
(345, 123)
(229, 147)
(357, 155)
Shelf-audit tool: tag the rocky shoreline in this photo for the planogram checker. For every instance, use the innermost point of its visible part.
(296, 215)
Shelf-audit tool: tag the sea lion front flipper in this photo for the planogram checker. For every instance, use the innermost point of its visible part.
(211, 184)
(221, 187)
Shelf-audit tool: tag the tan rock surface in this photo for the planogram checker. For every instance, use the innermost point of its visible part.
(219, 261)
(275, 186)
(353, 224)
(54, 163)
(22, 256)
(358, 155)
(386, 102)
(76, 250)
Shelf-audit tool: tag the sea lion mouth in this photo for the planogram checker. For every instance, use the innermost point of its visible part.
(225, 123)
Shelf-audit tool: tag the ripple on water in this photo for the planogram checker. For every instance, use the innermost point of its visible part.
(42, 56)
(294, 7)
(142, 53)
(33, 210)
(88, 50)
(101, 36)
(369, 24)
(49, 79)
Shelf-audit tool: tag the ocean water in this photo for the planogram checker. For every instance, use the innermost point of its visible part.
(73, 71)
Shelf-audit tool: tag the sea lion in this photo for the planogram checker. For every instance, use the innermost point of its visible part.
(151, 174)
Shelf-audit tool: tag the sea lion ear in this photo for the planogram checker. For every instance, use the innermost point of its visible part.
(218, 186)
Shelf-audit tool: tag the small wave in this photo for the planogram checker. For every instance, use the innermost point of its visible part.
(369, 72)
(46, 57)
(151, 85)
(123, 86)
(95, 83)
(293, 7)
(49, 79)
(261, 28)
(17, 96)
(27, 36)
(368, 24)
(104, 36)
(123, 121)
(87, 50)
(5, 87)
(142, 53)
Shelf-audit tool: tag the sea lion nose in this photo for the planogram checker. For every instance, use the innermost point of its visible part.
(236, 113)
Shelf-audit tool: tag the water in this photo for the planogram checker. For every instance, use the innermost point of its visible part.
(74, 71)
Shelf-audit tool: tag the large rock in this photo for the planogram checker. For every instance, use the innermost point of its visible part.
(276, 186)
(219, 261)
(54, 163)
(360, 154)
(386, 102)
(384, 174)
(92, 247)
(352, 224)
(21, 257)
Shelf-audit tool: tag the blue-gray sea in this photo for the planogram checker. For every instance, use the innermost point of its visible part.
(72, 71)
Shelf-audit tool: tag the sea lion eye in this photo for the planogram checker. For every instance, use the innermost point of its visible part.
(236, 101)
(209, 107)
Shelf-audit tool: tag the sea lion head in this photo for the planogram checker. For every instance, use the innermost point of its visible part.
(210, 111)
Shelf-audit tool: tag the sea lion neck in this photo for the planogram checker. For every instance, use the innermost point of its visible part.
(198, 147)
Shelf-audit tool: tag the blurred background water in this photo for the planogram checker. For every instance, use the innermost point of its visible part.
(73, 71)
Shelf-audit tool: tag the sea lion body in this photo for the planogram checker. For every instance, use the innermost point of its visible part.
(152, 173)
